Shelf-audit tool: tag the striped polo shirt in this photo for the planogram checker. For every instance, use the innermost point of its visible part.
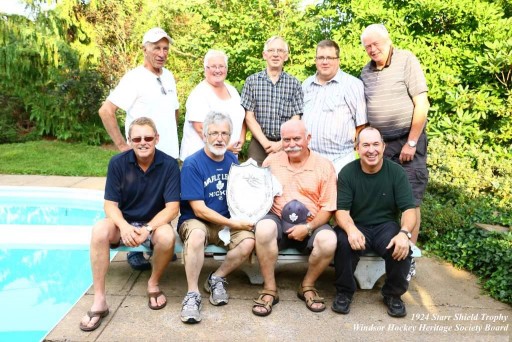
(389, 93)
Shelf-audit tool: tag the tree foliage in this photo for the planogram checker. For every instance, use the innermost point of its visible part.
(60, 66)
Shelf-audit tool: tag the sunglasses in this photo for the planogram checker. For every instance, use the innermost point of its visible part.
(139, 139)
(162, 89)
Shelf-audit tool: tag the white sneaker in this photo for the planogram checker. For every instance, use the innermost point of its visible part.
(191, 307)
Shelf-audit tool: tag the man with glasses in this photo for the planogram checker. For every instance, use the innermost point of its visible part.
(148, 90)
(334, 107)
(396, 97)
(270, 98)
(204, 213)
(142, 194)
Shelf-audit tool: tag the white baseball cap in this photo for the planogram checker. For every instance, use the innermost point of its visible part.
(154, 35)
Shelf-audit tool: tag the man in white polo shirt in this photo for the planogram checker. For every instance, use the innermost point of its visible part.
(148, 90)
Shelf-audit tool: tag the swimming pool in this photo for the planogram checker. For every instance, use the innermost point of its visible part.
(44, 256)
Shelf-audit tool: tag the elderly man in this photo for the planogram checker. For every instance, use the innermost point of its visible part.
(372, 192)
(212, 94)
(204, 213)
(270, 98)
(142, 195)
(334, 107)
(148, 90)
(309, 185)
(397, 104)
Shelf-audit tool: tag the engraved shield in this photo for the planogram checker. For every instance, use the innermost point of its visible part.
(249, 192)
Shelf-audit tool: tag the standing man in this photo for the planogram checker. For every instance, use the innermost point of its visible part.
(204, 213)
(397, 104)
(334, 107)
(372, 192)
(142, 195)
(148, 90)
(309, 185)
(270, 98)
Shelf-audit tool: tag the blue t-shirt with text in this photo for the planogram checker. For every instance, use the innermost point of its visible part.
(204, 179)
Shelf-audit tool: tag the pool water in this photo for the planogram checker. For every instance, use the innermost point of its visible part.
(40, 283)
(38, 288)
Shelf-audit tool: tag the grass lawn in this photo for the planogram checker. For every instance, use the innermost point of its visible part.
(58, 158)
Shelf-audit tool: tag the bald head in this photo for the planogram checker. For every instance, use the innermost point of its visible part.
(294, 125)
(295, 140)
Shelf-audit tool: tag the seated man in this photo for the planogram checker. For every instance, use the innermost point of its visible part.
(372, 191)
(204, 212)
(142, 195)
(308, 178)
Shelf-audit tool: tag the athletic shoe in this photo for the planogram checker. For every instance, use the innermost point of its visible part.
(215, 287)
(191, 307)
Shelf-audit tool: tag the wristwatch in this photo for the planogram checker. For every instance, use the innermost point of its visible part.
(148, 228)
(409, 235)
(310, 230)
(411, 143)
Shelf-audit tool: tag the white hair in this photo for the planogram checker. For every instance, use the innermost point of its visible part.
(215, 53)
(375, 28)
(271, 39)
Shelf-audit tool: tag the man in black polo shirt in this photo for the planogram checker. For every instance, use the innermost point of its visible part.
(142, 196)
(372, 193)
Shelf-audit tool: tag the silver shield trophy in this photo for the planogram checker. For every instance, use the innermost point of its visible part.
(249, 192)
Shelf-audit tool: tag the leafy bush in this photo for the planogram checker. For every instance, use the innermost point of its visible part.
(470, 184)
(487, 254)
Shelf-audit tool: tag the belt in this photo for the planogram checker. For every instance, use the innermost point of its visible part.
(274, 139)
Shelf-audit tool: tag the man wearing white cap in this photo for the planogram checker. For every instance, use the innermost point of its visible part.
(148, 90)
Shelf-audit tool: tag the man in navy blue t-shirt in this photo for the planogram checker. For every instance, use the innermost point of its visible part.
(142, 195)
(204, 213)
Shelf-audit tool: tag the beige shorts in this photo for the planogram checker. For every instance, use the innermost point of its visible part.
(212, 233)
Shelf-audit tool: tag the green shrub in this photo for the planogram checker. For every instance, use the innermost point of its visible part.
(470, 184)
(486, 254)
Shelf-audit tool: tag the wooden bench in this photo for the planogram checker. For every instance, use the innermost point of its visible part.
(370, 268)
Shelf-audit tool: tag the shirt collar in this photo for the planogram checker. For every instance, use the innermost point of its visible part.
(388, 61)
(337, 78)
(308, 166)
(157, 161)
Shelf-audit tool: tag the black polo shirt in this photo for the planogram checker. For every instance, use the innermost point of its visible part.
(141, 195)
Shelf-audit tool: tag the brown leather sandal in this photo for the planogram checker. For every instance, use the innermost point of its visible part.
(310, 301)
(267, 304)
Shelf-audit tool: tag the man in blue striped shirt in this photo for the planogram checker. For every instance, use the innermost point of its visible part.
(334, 107)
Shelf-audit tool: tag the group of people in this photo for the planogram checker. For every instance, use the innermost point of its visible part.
(305, 134)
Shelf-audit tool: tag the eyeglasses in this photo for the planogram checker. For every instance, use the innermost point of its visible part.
(279, 51)
(325, 58)
(139, 139)
(216, 67)
(162, 89)
(222, 134)
(376, 44)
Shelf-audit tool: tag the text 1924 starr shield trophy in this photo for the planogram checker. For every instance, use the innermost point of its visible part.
(249, 192)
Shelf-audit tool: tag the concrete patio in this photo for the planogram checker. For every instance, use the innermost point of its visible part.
(443, 304)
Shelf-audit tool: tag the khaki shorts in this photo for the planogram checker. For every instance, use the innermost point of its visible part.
(212, 233)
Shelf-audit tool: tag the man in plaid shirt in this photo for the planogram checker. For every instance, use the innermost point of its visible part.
(270, 98)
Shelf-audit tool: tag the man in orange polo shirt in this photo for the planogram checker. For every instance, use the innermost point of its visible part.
(299, 217)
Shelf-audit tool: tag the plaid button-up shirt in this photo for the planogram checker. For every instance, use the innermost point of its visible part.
(271, 103)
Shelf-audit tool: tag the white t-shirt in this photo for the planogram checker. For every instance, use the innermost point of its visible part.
(140, 94)
(200, 102)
